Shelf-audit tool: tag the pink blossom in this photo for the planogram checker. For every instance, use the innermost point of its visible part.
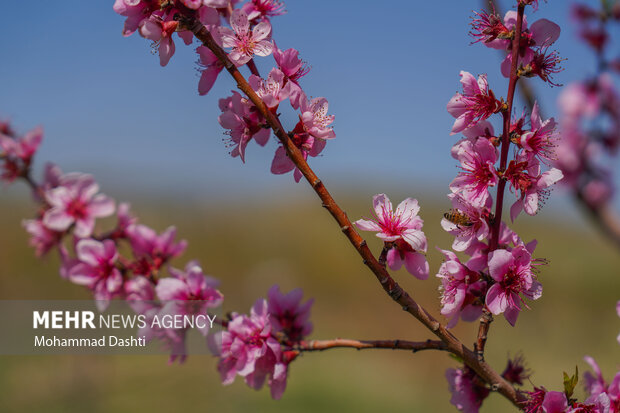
(42, 238)
(315, 119)
(76, 202)
(189, 292)
(97, 270)
(477, 158)
(403, 228)
(152, 250)
(263, 9)
(542, 33)
(293, 68)
(135, 11)
(18, 152)
(307, 144)
(211, 67)
(159, 29)
(512, 271)
(461, 289)
(139, 293)
(246, 43)
(244, 123)
(273, 90)
(475, 104)
(488, 27)
(467, 394)
(288, 314)
(599, 392)
(472, 224)
(534, 187)
(24, 147)
(249, 350)
(309, 135)
(544, 64)
(541, 139)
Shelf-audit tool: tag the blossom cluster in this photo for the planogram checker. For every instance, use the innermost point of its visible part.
(246, 32)
(500, 271)
(69, 206)
(401, 230)
(601, 396)
(259, 347)
(590, 113)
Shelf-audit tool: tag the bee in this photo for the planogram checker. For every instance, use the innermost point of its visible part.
(458, 218)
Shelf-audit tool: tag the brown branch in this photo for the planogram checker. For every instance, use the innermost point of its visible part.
(483, 331)
(485, 322)
(415, 346)
(388, 284)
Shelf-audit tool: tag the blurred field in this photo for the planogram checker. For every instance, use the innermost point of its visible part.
(295, 243)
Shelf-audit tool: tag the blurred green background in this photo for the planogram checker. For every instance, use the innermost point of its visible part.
(292, 241)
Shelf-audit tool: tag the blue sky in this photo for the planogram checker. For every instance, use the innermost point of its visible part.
(108, 108)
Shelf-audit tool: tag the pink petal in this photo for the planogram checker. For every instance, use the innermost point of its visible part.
(57, 219)
(90, 251)
(150, 30)
(82, 274)
(367, 225)
(166, 50)
(496, 299)
(263, 48)
(168, 289)
(470, 84)
(394, 260)
(101, 206)
(415, 238)
(207, 79)
(261, 31)
(239, 22)
(516, 209)
(382, 206)
(499, 263)
(544, 32)
(408, 208)
(84, 227)
(417, 265)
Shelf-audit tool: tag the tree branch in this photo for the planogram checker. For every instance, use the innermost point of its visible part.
(389, 285)
(415, 346)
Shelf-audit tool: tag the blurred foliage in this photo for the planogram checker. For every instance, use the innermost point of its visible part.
(249, 247)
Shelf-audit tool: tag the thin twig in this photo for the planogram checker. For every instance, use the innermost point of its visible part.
(415, 346)
(483, 331)
(390, 286)
(485, 322)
